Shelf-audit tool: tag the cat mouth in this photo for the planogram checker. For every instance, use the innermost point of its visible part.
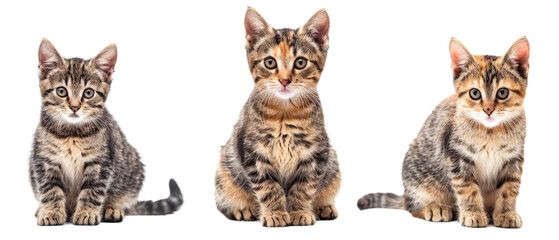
(285, 90)
(490, 121)
(73, 117)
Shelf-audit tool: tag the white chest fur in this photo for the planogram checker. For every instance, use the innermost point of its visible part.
(489, 158)
(72, 163)
(284, 152)
(72, 154)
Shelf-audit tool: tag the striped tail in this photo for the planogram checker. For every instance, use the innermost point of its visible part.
(381, 200)
(161, 207)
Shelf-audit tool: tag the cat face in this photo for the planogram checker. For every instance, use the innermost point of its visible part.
(74, 90)
(286, 63)
(491, 89)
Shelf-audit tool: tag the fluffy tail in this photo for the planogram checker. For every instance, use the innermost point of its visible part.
(161, 207)
(381, 200)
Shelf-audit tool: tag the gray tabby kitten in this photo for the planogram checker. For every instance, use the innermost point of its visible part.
(466, 162)
(82, 169)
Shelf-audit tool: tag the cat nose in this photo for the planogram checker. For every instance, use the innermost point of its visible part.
(285, 82)
(75, 108)
(488, 111)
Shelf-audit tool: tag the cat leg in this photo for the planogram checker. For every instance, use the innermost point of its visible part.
(468, 193)
(233, 201)
(270, 194)
(504, 214)
(48, 177)
(302, 191)
(323, 202)
(92, 194)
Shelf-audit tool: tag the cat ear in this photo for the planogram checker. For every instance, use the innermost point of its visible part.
(106, 59)
(317, 28)
(49, 58)
(518, 55)
(255, 26)
(460, 56)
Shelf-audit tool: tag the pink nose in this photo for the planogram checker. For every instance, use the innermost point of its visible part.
(488, 111)
(285, 82)
(75, 108)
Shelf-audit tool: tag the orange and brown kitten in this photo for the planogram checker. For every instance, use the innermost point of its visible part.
(466, 161)
(278, 166)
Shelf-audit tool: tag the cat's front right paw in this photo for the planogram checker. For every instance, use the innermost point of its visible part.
(50, 217)
(473, 219)
(275, 219)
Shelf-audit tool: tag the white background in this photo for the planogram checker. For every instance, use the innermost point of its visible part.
(182, 78)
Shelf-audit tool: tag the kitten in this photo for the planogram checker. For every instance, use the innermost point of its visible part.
(82, 169)
(467, 159)
(278, 165)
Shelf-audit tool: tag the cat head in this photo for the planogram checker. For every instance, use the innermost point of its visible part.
(286, 63)
(491, 89)
(74, 90)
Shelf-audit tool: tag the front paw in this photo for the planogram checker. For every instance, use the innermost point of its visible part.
(473, 219)
(303, 218)
(50, 217)
(509, 219)
(275, 219)
(86, 217)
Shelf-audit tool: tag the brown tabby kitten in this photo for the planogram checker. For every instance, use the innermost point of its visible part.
(82, 169)
(278, 165)
(467, 159)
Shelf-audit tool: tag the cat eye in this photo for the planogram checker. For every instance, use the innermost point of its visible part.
(502, 93)
(270, 63)
(475, 94)
(61, 92)
(88, 93)
(300, 63)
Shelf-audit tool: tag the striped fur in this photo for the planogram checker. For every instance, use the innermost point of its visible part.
(278, 165)
(82, 169)
(466, 161)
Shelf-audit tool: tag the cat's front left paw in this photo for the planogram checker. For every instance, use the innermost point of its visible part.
(507, 220)
(86, 217)
(303, 218)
